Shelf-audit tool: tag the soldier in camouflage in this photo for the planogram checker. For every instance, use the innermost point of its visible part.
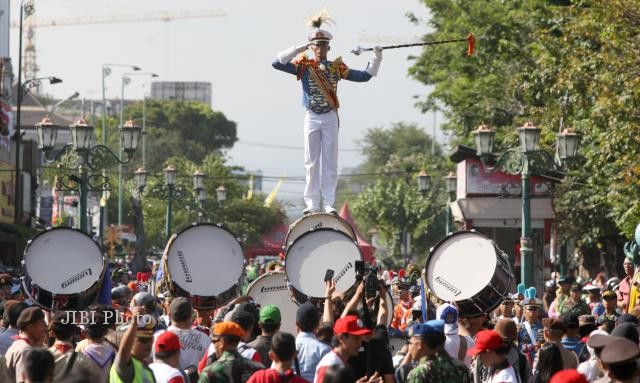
(427, 343)
(230, 367)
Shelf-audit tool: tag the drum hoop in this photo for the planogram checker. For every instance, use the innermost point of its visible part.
(309, 216)
(25, 269)
(498, 254)
(165, 255)
(328, 229)
(265, 275)
(441, 242)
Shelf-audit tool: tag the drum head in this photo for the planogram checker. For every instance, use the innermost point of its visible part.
(205, 260)
(318, 221)
(63, 261)
(271, 289)
(309, 257)
(460, 266)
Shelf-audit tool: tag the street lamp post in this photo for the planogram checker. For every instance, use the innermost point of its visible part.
(452, 185)
(106, 71)
(201, 192)
(84, 157)
(126, 79)
(221, 193)
(26, 10)
(521, 161)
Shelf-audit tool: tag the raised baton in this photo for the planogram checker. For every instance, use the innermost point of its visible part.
(470, 39)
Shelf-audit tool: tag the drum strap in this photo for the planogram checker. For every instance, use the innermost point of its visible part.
(69, 365)
(297, 364)
(462, 351)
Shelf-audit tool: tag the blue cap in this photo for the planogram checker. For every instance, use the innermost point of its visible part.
(432, 326)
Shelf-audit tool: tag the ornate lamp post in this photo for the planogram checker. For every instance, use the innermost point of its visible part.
(126, 79)
(452, 184)
(221, 193)
(521, 162)
(106, 71)
(84, 157)
(424, 181)
(201, 192)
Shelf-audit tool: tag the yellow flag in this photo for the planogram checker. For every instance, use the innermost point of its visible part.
(272, 196)
(250, 191)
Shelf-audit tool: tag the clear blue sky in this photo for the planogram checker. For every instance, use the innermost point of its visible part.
(234, 53)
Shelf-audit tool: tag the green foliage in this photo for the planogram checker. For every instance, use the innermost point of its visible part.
(247, 219)
(576, 64)
(174, 128)
(400, 141)
(392, 202)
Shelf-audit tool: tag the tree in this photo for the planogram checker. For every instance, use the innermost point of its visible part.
(401, 140)
(575, 65)
(175, 128)
(247, 219)
(392, 203)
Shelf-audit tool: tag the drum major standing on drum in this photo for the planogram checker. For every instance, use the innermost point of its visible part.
(319, 78)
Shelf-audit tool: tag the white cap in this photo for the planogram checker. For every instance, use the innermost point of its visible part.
(318, 34)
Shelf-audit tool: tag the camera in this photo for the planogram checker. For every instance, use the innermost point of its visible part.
(369, 275)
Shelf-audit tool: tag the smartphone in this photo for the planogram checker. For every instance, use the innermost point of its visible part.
(540, 336)
(328, 275)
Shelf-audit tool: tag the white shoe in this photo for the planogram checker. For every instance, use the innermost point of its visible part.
(311, 210)
(330, 209)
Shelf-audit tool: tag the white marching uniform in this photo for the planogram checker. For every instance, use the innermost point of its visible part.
(319, 80)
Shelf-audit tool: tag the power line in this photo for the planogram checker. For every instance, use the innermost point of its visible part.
(277, 146)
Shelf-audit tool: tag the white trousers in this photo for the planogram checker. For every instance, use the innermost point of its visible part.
(320, 154)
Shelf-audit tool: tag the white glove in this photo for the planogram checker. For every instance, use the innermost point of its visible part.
(377, 52)
(374, 63)
(288, 54)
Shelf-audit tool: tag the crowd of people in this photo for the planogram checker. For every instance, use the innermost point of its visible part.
(573, 333)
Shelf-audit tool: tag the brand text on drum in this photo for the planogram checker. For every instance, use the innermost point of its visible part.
(185, 269)
(264, 289)
(76, 278)
(343, 272)
(448, 286)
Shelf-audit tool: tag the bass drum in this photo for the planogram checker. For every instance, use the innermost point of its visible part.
(62, 269)
(317, 221)
(310, 256)
(468, 268)
(204, 262)
(271, 289)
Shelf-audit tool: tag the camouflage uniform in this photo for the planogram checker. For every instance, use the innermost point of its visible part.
(442, 368)
(231, 367)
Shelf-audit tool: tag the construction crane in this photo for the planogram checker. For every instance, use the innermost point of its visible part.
(165, 16)
(30, 67)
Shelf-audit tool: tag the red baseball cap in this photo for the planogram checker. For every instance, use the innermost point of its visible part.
(167, 341)
(486, 340)
(350, 325)
(568, 376)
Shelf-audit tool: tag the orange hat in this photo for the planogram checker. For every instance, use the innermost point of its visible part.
(227, 328)
(133, 286)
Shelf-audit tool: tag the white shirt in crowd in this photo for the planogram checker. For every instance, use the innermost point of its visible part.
(165, 373)
(193, 345)
(452, 346)
(508, 375)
